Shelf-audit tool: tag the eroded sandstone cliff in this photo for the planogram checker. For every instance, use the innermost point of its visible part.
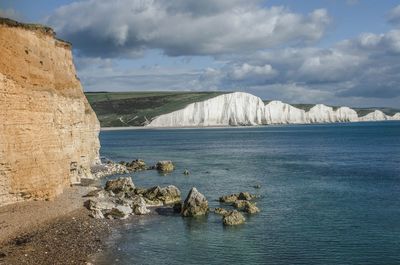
(48, 131)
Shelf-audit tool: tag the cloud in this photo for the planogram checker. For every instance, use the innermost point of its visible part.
(364, 68)
(125, 28)
(394, 15)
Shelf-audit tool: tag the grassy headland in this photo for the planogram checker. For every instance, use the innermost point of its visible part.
(120, 109)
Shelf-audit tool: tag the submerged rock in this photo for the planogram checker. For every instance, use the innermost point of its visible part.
(165, 166)
(195, 204)
(258, 186)
(120, 185)
(186, 172)
(233, 218)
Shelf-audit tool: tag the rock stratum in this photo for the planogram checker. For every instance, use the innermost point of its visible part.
(243, 109)
(48, 131)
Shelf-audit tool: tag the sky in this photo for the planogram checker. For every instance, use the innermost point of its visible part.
(337, 52)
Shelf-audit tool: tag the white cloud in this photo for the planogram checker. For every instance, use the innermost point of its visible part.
(250, 71)
(191, 27)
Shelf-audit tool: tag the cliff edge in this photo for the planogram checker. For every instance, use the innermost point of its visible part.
(48, 131)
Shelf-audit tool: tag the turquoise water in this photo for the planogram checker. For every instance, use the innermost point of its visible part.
(330, 194)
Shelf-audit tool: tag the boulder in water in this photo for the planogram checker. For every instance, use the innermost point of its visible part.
(233, 218)
(165, 166)
(136, 165)
(195, 204)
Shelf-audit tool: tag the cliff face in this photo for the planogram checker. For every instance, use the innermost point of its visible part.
(245, 109)
(48, 131)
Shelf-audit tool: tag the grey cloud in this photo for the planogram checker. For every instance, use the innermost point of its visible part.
(394, 15)
(365, 67)
(191, 27)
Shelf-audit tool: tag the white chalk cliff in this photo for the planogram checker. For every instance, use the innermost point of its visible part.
(241, 109)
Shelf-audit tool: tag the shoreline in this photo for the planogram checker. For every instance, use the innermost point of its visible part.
(128, 128)
(51, 232)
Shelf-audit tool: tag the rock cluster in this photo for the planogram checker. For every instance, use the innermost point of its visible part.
(108, 169)
(240, 201)
(112, 168)
(120, 198)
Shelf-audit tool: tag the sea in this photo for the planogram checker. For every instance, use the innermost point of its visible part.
(330, 194)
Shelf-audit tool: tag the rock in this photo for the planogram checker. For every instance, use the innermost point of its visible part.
(229, 198)
(108, 169)
(257, 186)
(119, 212)
(153, 202)
(136, 165)
(139, 206)
(165, 166)
(177, 207)
(246, 206)
(166, 195)
(120, 185)
(96, 213)
(100, 193)
(139, 190)
(102, 205)
(186, 172)
(220, 211)
(169, 195)
(233, 218)
(246, 196)
(239, 204)
(250, 208)
(195, 204)
(151, 193)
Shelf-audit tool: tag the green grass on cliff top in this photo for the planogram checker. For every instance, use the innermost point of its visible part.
(121, 109)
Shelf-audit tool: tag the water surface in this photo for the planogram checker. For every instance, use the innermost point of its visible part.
(330, 194)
